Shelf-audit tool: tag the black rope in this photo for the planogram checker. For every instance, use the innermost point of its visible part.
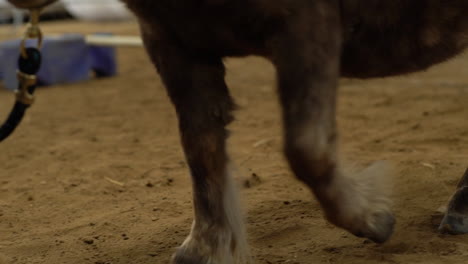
(29, 65)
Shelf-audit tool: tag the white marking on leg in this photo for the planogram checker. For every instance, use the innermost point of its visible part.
(235, 219)
(360, 196)
(231, 243)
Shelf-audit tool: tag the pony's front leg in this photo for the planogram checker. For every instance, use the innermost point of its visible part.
(196, 86)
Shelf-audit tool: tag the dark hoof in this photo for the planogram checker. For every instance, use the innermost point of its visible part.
(184, 257)
(382, 229)
(455, 221)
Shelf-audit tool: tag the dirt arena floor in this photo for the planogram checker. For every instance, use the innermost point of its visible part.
(96, 175)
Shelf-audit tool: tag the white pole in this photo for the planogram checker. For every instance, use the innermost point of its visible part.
(103, 40)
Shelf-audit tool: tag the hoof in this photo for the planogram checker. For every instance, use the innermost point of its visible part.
(382, 228)
(455, 221)
(184, 257)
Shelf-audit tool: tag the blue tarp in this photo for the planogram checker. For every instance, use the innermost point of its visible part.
(66, 59)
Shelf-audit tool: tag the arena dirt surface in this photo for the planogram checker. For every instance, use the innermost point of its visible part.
(95, 174)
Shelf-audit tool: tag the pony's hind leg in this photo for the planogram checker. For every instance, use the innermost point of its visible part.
(455, 220)
(197, 89)
(307, 55)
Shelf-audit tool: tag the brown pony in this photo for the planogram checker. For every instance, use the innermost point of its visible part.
(311, 43)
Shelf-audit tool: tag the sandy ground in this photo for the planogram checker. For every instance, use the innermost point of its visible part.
(95, 174)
